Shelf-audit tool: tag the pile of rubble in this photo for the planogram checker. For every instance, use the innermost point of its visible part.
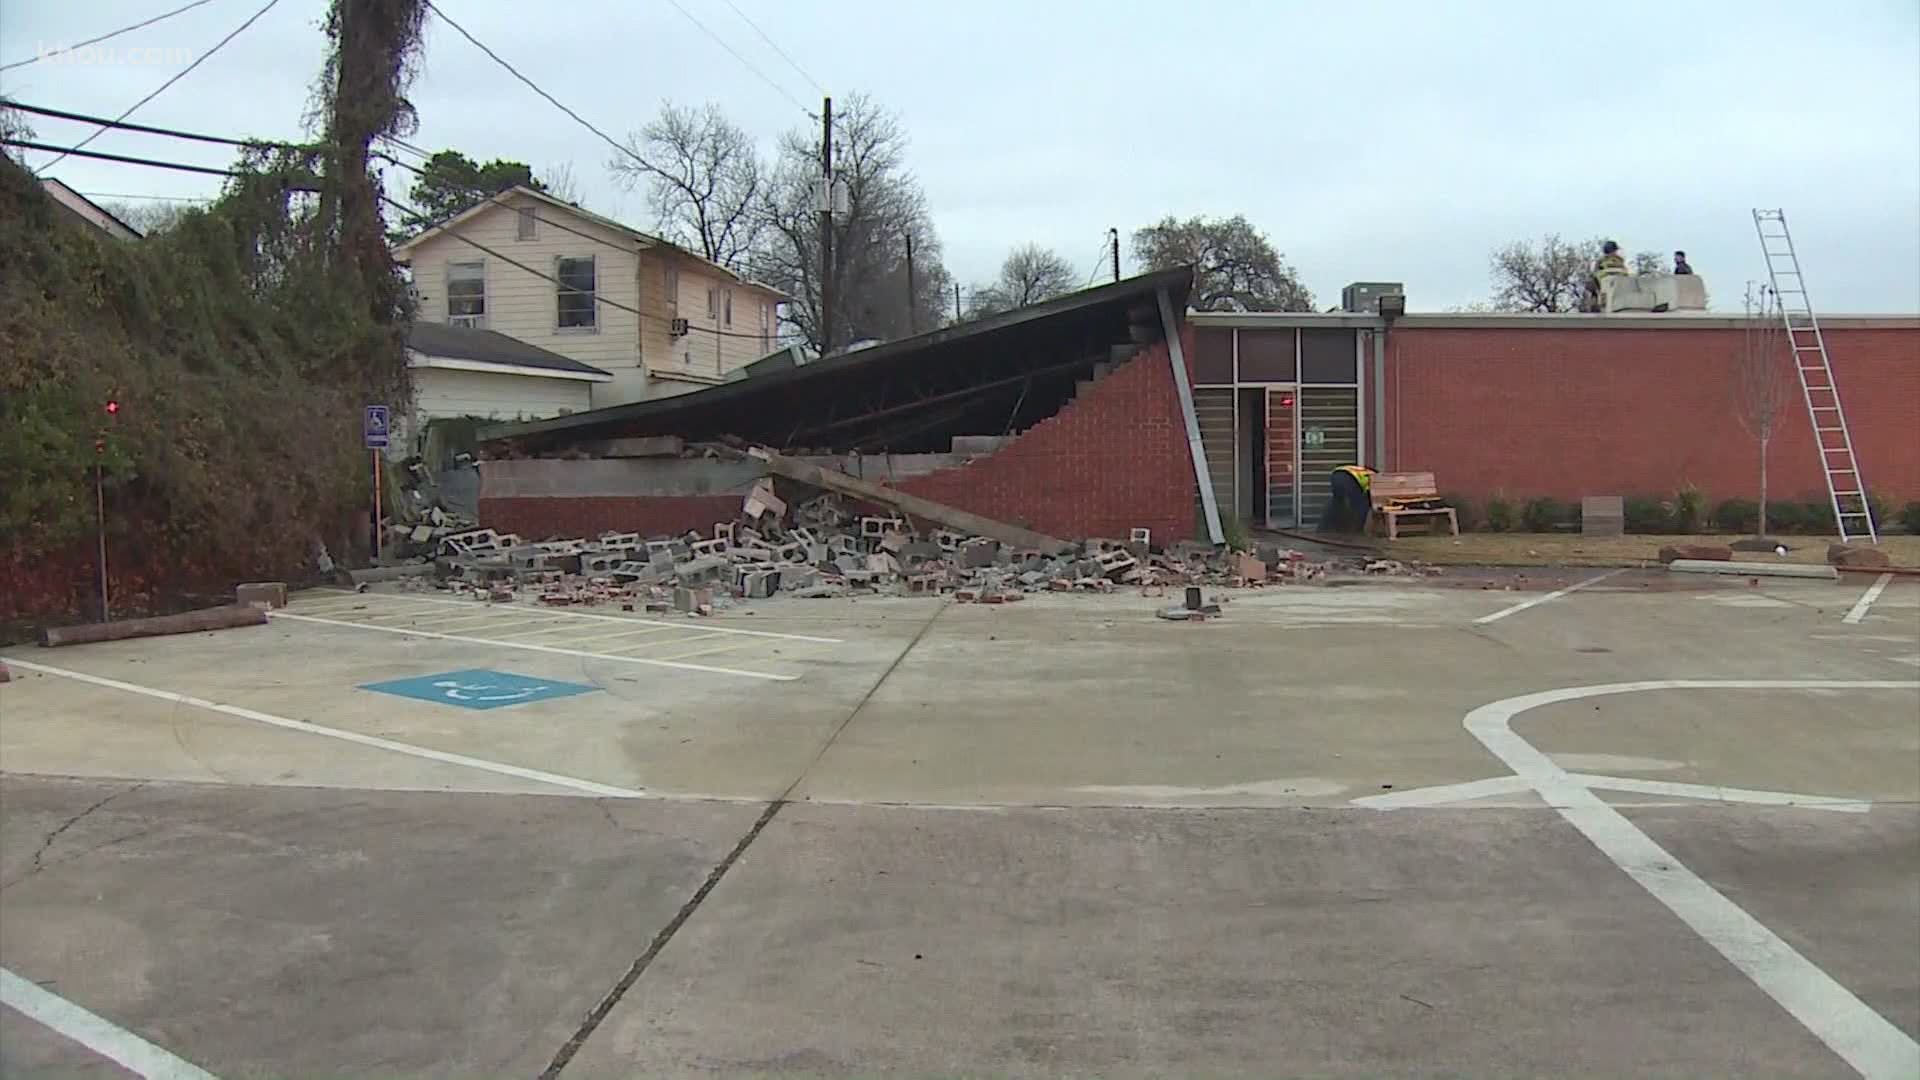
(417, 520)
(824, 550)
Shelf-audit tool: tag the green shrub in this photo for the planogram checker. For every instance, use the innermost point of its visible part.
(1238, 534)
(1645, 515)
(1878, 507)
(1910, 517)
(1543, 514)
(1737, 516)
(1500, 517)
(1817, 517)
(1784, 516)
(1462, 509)
(1689, 509)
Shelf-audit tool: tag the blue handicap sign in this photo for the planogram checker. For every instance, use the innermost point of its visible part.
(374, 427)
(478, 688)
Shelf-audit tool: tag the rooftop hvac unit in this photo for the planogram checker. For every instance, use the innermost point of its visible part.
(1364, 296)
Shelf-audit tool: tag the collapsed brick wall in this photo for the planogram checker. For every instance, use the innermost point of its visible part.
(565, 517)
(1573, 412)
(1113, 459)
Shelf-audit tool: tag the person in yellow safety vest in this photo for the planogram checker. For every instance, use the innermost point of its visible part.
(1610, 264)
(1350, 504)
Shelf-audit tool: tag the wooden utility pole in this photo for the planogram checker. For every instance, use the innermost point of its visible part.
(1115, 233)
(956, 302)
(826, 226)
(913, 309)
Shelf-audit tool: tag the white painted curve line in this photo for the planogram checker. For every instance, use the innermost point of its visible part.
(1867, 598)
(1538, 600)
(563, 613)
(1716, 793)
(1875, 1048)
(588, 787)
(103, 1037)
(504, 644)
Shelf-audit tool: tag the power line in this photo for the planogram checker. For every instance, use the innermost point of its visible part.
(62, 114)
(177, 76)
(150, 198)
(103, 37)
(535, 87)
(75, 151)
(775, 46)
(777, 88)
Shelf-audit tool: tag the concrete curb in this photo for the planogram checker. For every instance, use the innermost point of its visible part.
(1754, 569)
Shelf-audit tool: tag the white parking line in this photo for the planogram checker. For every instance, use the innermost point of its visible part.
(586, 786)
(1445, 794)
(1867, 598)
(534, 646)
(1538, 600)
(96, 1033)
(1850, 1027)
(621, 619)
(1717, 793)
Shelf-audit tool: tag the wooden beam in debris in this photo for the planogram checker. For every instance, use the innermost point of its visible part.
(939, 513)
(187, 622)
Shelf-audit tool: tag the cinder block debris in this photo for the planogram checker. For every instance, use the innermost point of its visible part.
(267, 594)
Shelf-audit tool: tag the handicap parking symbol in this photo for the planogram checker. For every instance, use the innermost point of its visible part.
(478, 688)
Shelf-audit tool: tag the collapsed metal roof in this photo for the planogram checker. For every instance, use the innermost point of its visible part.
(986, 377)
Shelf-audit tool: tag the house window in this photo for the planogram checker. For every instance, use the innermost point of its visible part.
(766, 329)
(527, 226)
(728, 300)
(467, 293)
(713, 303)
(576, 293)
(673, 287)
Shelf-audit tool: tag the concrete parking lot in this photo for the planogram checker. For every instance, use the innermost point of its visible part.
(1392, 828)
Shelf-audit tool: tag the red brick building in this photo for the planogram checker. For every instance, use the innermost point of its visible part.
(1089, 436)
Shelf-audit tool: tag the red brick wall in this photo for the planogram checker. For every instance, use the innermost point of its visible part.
(586, 515)
(1114, 459)
(1572, 412)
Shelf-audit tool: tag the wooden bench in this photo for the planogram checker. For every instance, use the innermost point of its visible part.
(1408, 494)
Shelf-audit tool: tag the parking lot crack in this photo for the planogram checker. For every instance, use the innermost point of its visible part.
(598, 1014)
(48, 841)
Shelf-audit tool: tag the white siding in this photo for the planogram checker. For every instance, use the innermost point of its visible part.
(495, 396)
(526, 306)
(710, 348)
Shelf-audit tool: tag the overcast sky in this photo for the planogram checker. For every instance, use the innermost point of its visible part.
(1370, 141)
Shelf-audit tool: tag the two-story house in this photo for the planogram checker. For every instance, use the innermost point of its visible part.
(662, 320)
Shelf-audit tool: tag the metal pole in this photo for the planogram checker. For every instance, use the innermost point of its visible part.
(1170, 327)
(1116, 253)
(956, 302)
(826, 226)
(375, 531)
(100, 506)
(913, 314)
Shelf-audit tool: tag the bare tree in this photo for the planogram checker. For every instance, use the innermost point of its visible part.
(1029, 275)
(703, 177)
(1235, 266)
(1646, 262)
(1761, 386)
(560, 182)
(883, 205)
(1551, 276)
(147, 217)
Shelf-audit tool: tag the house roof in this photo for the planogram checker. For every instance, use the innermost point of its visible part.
(1004, 372)
(643, 239)
(492, 349)
(85, 209)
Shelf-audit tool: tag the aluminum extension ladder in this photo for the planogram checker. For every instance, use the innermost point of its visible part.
(1846, 488)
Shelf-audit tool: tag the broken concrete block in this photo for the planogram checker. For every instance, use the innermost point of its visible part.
(851, 564)
(1855, 557)
(949, 540)
(1032, 578)
(761, 500)
(882, 563)
(921, 551)
(691, 600)
(708, 548)
(821, 591)
(977, 553)
(267, 594)
(1246, 566)
(760, 584)
(701, 569)
(893, 540)
(794, 580)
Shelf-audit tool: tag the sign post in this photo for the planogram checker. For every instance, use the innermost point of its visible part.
(373, 430)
